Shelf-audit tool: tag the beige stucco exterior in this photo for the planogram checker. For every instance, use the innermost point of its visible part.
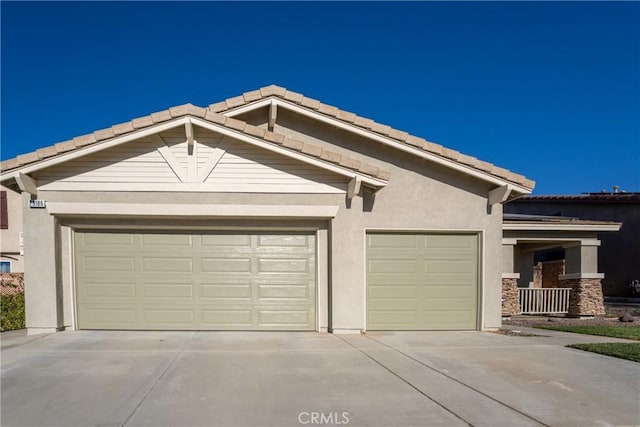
(413, 194)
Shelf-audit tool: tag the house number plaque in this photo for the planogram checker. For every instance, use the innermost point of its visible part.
(37, 204)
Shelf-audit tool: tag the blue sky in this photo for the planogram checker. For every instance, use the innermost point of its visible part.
(549, 90)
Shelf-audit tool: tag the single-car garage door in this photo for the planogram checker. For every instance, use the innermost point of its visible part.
(422, 281)
(195, 280)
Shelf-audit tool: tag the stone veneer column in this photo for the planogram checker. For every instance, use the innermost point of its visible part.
(586, 297)
(510, 303)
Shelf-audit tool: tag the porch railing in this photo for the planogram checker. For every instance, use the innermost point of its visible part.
(544, 300)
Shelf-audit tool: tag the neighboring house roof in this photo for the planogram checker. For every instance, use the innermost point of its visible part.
(621, 197)
(549, 223)
(251, 99)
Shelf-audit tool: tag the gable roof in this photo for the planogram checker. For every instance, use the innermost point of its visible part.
(214, 114)
(235, 104)
(39, 158)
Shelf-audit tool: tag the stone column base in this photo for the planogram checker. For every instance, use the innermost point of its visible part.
(585, 298)
(510, 303)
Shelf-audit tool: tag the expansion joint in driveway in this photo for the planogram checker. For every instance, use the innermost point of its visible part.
(449, 377)
(155, 383)
(405, 381)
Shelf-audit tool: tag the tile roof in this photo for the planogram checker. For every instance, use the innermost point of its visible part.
(621, 197)
(293, 144)
(551, 219)
(212, 113)
(370, 125)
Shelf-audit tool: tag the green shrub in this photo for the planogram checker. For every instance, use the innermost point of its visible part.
(11, 312)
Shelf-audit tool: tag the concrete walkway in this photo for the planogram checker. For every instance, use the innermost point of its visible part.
(109, 378)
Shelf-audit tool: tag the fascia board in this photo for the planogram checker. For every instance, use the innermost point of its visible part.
(65, 157)
(561, 227)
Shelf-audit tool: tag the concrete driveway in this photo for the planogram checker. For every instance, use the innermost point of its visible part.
(108, 378)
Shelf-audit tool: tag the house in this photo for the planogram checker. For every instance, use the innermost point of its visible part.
(11, 258)
(572, 287)
(620, 252)
(266, 211)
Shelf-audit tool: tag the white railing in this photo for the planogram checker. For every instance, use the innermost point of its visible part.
(543, 300)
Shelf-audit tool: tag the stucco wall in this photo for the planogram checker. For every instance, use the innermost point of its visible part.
(420, 196)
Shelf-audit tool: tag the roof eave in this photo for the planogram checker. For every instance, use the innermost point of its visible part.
(369, 180)
(538, 226)
(517, 188)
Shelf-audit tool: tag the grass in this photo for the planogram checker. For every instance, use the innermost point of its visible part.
(621, 350)
(628, 332)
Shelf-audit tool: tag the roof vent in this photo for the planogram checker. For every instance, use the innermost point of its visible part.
(616, 188)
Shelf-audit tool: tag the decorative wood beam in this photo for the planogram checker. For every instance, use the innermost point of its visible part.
(273, 114)
(192, 152)
(188, 128)
(499, 194)
(27, 184)
(213, 161)
(168, 157)
(353, 188)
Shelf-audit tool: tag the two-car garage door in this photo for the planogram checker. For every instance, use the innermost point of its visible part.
(421, 281)
(195, 280)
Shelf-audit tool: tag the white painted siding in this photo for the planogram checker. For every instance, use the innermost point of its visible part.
(246, 165)
(134, 162)
(239, 167)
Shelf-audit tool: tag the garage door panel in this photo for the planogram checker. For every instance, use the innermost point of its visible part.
(227, 318)
(282, 318)
(108, 264)
(448, 241)
(399, 266)
(288, 292)
(110, 290)
(393, 291)
(168, 317)
(168, 264)
(398, 319)
(109, 316)
(452, 279)
(284, 265)
(448, 291)
(422, 281)
(226, 265)
(226, 291)
(407, 241)
(235, 241)
(168, 290)
(90, 241)
(450, 266)
(171, 280)
(167, 240)
(282, 242)
(442, 318)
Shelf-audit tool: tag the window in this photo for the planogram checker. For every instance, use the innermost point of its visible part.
(4, 217)
(5, 266)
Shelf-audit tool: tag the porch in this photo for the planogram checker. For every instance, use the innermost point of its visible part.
(570, 245)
